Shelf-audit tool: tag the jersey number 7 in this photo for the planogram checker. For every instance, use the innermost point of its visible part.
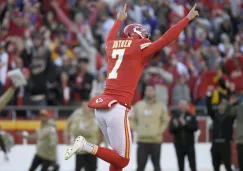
(116, 54)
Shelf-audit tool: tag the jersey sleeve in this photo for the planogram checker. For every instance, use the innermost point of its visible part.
(148, 49)
(114, 31)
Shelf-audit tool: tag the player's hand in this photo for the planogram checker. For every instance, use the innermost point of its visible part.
(122, 15)
(193, 13)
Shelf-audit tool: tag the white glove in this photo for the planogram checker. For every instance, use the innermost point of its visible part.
(17, 78)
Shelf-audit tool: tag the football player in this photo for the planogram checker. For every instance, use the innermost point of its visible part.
(126, 59)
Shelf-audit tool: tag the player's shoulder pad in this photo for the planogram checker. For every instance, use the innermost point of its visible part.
(145, 43)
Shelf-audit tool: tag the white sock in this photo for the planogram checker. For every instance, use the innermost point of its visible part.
(90, 148)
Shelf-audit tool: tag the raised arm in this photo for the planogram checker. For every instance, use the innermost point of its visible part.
(62, 16)
(114, 31)
(122, 15)
(2, 13)
(6, 97)
(84, 43)
(171, 35)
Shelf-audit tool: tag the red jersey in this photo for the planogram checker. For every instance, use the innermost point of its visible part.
(126, 59)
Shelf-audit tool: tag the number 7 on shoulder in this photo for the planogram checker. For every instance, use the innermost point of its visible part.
(117, 54)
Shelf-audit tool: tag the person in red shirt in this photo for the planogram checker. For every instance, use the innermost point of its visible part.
(17, 25)
(126, 59)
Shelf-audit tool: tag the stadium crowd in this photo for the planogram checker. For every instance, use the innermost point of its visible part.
(59, 46)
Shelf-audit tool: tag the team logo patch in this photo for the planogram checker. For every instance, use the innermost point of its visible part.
(139, 31)
(99, 100)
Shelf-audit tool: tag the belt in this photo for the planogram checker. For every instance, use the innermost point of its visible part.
(125, 105)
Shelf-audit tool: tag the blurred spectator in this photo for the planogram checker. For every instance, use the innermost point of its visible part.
(137, 12)
(87, 8)
(178, 8)
(67, 66)
(183, 126)
(79, 22)
(200, 89)
(3, 33)
(54, 96)
(3, 145)
(181, 67)
(66, 89)
(161, 11)
(236, 112)
(181, 91)
(150, 21)
(98, 85)
(82, 122)
(8, 139)
(108, 21)
(17, 80)
(160, 56)
(222, 132)
(16, 23)
(50, 22)
(222, 86)
(235, 68)
(80, 5)
(226, 27)
(42, 70)
(23, 93)
(161, 79)
(4, 59)
(46, 137)
(92, 53)
(1, 89)
(225, 48)
(81, 81)
(150, 121)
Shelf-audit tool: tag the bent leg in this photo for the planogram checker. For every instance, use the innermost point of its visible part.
(119, 137)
